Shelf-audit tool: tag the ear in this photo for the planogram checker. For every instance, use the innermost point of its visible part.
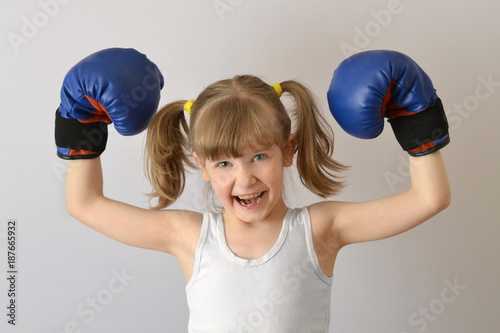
(201, 165)
(289, 151)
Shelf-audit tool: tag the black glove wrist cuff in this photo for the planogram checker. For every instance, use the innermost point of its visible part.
(72, 134)
(415, 130)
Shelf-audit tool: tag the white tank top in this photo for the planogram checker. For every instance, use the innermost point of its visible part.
(283, 291)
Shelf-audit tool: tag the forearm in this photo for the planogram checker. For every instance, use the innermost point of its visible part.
(84, 184)
(430, 181)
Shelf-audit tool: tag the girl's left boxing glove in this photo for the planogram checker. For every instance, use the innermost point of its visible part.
(370, 86)
(120, 86)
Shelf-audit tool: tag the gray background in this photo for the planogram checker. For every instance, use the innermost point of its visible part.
(397, 285)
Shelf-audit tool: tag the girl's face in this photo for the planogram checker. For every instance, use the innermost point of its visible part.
(249, 186)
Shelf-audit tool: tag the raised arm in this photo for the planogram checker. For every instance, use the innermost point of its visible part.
(366, 88)
(145, 228)
(95, 92)
(131, 225)
(389, 216)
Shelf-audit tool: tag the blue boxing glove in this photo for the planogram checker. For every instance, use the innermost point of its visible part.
(372, 85)
(120, 86)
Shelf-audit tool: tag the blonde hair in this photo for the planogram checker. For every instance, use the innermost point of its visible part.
(231, 113)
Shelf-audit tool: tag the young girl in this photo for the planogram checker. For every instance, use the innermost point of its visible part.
(258, 265)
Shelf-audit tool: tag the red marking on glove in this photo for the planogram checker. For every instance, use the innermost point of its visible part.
(423, 147)
(389, 108)
(387, 99)
(81, 152)
(100, 113)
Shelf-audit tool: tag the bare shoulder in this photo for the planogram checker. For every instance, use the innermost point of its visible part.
(323, 214)
(184, 238)
(184, 228)
(186, 217)
(191, 226)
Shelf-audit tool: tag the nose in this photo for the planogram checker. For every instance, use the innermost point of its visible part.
(245, 177)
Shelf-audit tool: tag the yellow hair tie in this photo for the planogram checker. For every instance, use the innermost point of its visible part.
(277, 88)
(188, 106)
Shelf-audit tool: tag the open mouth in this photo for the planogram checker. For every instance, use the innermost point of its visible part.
(249, 200)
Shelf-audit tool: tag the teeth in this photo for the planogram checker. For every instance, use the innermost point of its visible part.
(251, 196)
(250, 199)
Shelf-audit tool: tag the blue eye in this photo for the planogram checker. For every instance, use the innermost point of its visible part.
(223, 164)
(259, 157)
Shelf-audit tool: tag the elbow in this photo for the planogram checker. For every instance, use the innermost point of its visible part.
(447, 201)
(442, 205)
(434, 201)
(445, 197)
(81, 208)
(73, 208)
(440, 202)
(77, 207)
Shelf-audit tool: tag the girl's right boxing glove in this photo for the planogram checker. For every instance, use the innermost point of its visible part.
(371, 85)
(120, 86)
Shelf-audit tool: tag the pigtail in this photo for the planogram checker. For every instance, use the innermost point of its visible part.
(167, 154)
(314, 144)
